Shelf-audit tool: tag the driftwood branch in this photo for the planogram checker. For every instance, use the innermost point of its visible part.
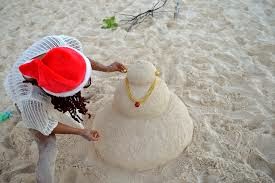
(134, 20)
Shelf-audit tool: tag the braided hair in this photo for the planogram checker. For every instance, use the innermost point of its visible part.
(73, 104)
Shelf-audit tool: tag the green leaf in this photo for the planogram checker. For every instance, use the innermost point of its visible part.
(113, 18)
(109, 23)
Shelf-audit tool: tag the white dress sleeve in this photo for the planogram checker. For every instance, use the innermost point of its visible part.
(35, 116)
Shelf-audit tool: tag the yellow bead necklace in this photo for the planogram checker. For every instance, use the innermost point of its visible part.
(144, 98)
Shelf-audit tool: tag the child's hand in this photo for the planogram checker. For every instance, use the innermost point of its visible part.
(90, 135)
(117, 67)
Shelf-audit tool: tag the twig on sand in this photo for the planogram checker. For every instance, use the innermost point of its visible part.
(134, 20)
(177, 9)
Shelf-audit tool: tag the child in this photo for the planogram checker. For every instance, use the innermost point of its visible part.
(51, 74)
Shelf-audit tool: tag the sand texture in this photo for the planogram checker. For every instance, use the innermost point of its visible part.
(218, 57)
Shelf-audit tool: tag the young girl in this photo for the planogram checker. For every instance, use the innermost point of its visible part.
(50, 74)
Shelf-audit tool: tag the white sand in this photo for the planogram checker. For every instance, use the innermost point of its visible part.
(218, 57)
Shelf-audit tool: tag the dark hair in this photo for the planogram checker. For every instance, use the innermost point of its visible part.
(73, 104)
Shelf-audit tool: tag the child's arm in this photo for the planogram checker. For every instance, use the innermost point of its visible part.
(111, 68)
(85, 133)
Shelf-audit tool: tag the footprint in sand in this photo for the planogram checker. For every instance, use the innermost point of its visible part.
(73, 175)
(266, 145)
(20, 169)
(263, 158)
(207, 178)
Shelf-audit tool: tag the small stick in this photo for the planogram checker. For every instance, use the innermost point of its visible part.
(137, 19)
(177, 9)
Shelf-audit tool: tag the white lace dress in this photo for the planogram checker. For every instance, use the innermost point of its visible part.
(35, 106)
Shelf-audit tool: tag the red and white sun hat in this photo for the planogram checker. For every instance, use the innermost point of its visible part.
(62, 72)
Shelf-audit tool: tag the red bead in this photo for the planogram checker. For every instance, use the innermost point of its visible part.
(137, 104)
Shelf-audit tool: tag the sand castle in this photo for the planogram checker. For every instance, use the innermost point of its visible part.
(142, 128)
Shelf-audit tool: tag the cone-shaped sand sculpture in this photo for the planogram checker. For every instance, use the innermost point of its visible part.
(145, 125)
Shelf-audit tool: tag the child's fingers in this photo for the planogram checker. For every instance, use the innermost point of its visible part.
(94, 138)
(123, 68)
(95, 134)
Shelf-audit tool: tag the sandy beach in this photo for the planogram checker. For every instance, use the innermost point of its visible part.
(218, 57)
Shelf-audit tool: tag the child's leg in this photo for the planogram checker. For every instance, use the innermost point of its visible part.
(47, 156)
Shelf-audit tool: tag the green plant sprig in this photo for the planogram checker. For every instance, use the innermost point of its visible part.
(109, 23)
